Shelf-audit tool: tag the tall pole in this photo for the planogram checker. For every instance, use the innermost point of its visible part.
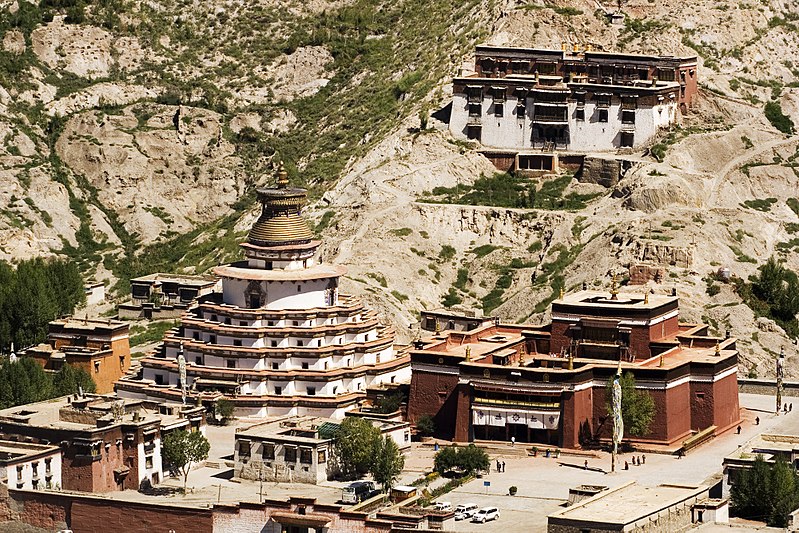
(780, 371)
(618, 420)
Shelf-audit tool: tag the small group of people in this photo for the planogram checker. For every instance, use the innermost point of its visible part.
(637, 461)
(787, 408)
(500, 466)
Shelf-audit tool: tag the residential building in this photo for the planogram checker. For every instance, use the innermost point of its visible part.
(107, 443)
(279, 339)
(95, 292)
(638, 509)
(456, 318)
(158, 296)
(547, 384)
(101, 347)
(770, 447)
(28, 466)
(528, 99)
(299, 449)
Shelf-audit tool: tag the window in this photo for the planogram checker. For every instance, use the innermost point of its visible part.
(255, 301)
(321, 456)
(268, 451)
(473, 133)
(299, 288)
(579, 114)
(520, 111)
(48, 484)
(274, 344)
(35, 484)
(212, 339)
(300, 343)
(231, 363)
(196, 335)
(499, 110)
(603, 115)
(236, 342)
(311, 391)
(305, 456)
(228, 321)
(305, 366)
(159, 379)
(244, 448)
(96, 366)
(666, 74)
(243, 323)
(295, 323)
(275, 366)
(628, 117)
(627, 139)
(326, 365)
(270, 323)
(475, 110)
(19, 472)
(700, 395)
(213, 318)
(35, 467)
(148, 462)
(278, 390)
(290, 455)
(198, 360)
(47, 465)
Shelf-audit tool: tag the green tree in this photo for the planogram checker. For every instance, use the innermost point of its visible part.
(225, 409)
(181, 449)
(388, 463)
(426, 425)
(389, 403)
(637, 406)
(356, 443)
(466, 459)
(766, 491)
(71, 379)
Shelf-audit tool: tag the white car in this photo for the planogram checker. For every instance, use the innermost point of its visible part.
(442, 506)
(465, 510)
(485, 514)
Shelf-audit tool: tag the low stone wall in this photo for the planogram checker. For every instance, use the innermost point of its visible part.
(767, 387)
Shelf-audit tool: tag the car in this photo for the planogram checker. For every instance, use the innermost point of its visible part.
(442, 506)
(485, 514)
(358, 491)
(465, 510)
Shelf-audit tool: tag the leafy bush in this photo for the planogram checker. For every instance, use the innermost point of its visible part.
(778, 119)
(426, 425)
(466, 459)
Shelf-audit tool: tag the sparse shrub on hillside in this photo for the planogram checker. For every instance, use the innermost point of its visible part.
(773, 293)
(778, 119)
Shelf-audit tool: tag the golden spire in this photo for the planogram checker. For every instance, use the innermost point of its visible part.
(661, 359)
(468, 353)
(438, 327)
(561, 293)
(718, 348)
(614, 290)
(646, 297)
(282, 177)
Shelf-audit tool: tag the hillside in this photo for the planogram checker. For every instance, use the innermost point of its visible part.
(133, 132)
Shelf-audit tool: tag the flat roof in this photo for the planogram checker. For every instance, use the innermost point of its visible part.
(182, 279)
(284, 429)
(87, 324)
(766, 445)
(47, 414)
(627, 504)
(242, 270)
(624, 300)
(12, 452)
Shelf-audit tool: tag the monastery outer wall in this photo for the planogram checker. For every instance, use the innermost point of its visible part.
(576, 416)
(435, 395)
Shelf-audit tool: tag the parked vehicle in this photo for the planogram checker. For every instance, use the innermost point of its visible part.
(442, 506)
(358, 491)
(465, 511)
(485, 514)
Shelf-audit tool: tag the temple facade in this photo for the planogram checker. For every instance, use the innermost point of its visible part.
(583, 101)
(279, 339)
(547, 384)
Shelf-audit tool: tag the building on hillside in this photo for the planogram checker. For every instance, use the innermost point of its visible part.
(158, 296)
(637, 509)
(299, 449)
(28, 466)
(279, 339)
(95, 292)
(107, 444)
(454, 319)
(770, 447)
(101, 347)
(526, 99)
(546, 384)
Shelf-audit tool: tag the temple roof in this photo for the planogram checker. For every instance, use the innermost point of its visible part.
(280, 222)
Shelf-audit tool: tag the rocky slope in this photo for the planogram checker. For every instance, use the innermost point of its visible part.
(131, 138)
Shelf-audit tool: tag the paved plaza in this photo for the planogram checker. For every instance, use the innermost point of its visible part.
(543, 483)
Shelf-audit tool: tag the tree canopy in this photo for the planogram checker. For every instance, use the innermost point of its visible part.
(25, 381)
(388, 463)
(356, 442)
(361, 450)
(773, 293)
(766, 492)
(181, 449)
(466, 459)
(32, 295)
(637, 406)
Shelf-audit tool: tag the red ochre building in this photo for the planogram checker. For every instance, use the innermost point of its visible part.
(546, 384)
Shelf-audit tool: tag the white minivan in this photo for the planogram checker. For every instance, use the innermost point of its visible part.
(465, 510)
(485, 514)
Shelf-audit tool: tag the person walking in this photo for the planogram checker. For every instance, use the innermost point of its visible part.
(739, 430)
(757, 420)
(513, 439)
(503, 467)
(643, 459)
(499, 467)
(626, 465)
(586, 464)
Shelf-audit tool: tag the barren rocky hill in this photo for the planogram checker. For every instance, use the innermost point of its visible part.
(133, 131)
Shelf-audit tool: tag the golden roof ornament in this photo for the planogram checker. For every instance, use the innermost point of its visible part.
(718, 348)
(438, 326)
(661, 360)
(561, 293)
(646, 297)
(468, 353)
(614, 290)
(282, 177)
